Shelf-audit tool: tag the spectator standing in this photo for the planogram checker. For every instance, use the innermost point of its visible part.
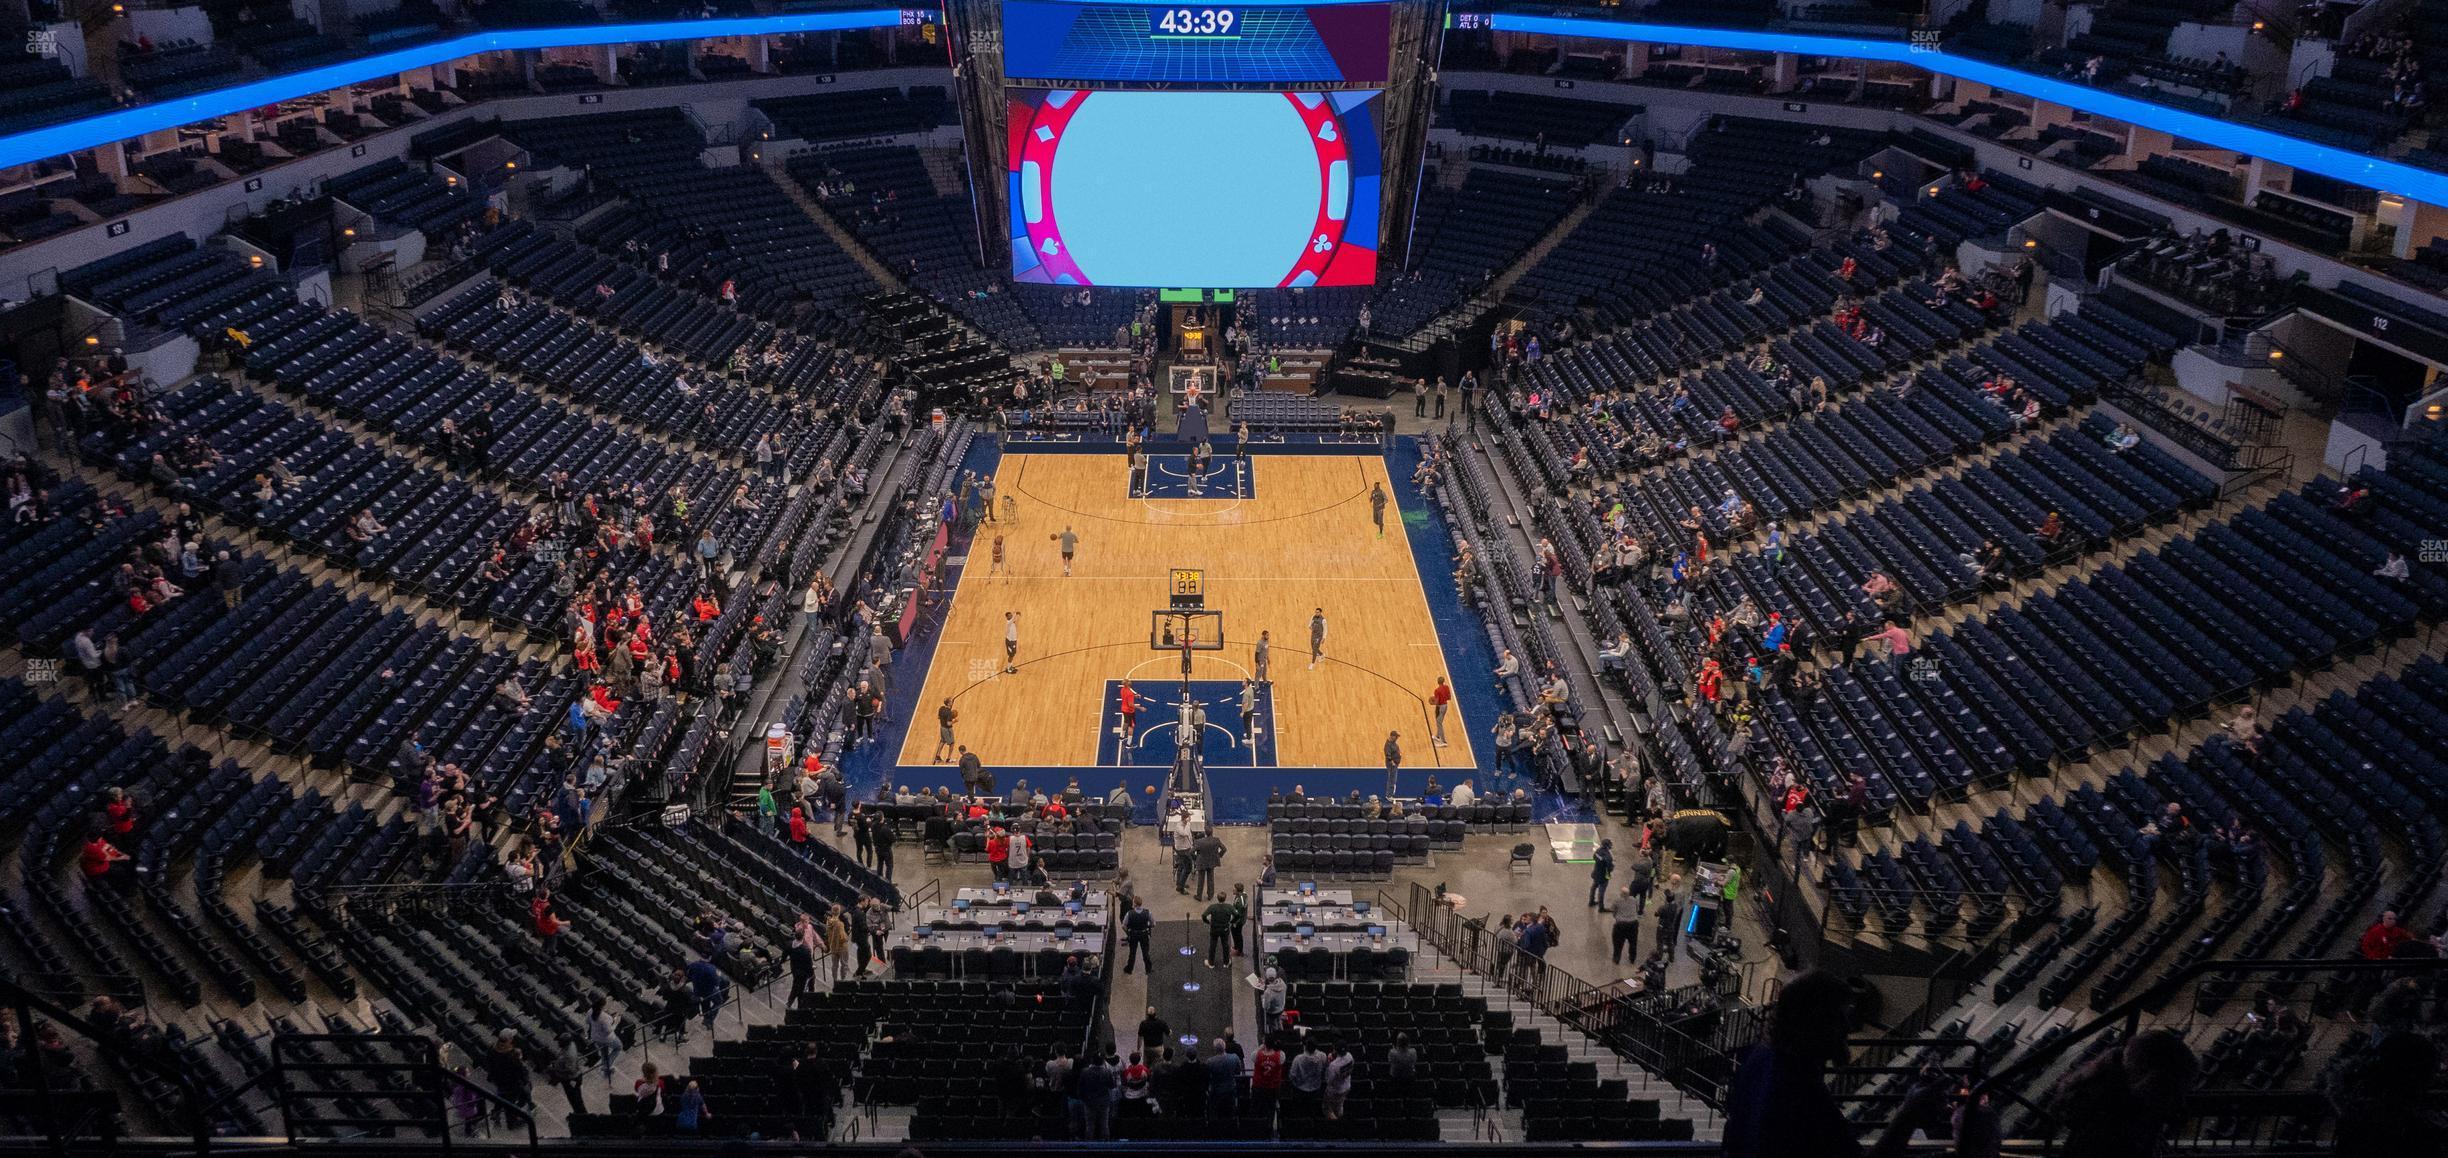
(567, 1069)
(603, 1034)
(692, 1115)
(1779, 1105)
(1223, 1072)
(1267, 1069)
(1137, 926)
(1338, 1078)
(1219, 921)
(2123, 1103)
(1095, 1086)
(1402, 1060)
(1153, 1032)
(805, 946)
(1602, 868)
(707, 984)
(1273, 996)
(505, 1069)
(1306, 1075)
(884, 839)
(837, 941)
(1627, 927)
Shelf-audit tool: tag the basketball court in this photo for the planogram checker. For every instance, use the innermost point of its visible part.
(1277, 537)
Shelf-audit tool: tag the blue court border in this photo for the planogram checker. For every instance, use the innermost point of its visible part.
(1239, 793)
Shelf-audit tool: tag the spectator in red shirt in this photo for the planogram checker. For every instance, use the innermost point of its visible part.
(2380, 942)
(998, 854)
(101, 859)
(119, 813)
(548, 924)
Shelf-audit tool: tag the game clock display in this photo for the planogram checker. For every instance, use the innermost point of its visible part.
(1192, 22)
(1086, 42)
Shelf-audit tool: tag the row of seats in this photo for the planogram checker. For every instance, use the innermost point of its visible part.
(834, 116)
(698, 225)
(399, 191)
(1559, 122)
(544, 345)
(2277, 791)
(1462, 238)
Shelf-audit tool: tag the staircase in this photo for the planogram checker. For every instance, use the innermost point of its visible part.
(1504, 1122)
(1463, 316)
(848, 242)
(948, 170)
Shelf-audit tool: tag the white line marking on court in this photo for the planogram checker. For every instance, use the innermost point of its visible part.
(1175, 660)
(1214, 578)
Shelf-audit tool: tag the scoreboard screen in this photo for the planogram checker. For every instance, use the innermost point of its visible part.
(1194, 187)
(1085, 41)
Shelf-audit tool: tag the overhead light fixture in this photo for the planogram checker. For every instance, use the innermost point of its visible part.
(255, 259)
(1878, 174)
(2031, 243)
(509, 164)
(351, 231)
(92, 340)
(2275, 355)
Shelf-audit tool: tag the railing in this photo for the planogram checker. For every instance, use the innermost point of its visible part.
(2289, 364)
(2256, 464)
(2242, 1118)
(1699, 1064)
(2178, 429)
(2373, 17)
(49, 1110)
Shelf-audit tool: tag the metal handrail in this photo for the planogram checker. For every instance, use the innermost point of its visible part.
(27, 1004)
(2129, 1011)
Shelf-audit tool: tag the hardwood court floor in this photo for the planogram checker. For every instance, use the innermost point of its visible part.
(1303, 542)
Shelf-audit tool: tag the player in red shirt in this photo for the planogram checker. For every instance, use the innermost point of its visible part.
(1126, 702)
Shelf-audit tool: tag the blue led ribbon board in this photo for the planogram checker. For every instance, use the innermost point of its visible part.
(101, 129)
(2327, 160)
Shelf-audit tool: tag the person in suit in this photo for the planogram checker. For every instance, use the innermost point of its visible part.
(1208, 853)
(883, 840)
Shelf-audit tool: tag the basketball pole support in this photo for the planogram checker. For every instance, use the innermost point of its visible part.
(1189, 761)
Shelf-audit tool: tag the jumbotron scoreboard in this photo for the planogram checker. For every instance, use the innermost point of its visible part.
(1209, 146)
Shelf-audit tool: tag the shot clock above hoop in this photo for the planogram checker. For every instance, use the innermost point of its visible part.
(1188, 588)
